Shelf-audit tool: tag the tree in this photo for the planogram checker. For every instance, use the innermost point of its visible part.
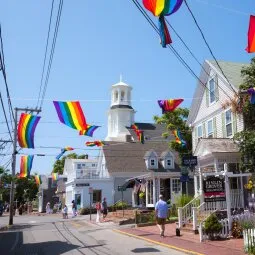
(26, 189)
(58, 166)
(5, 178)
(177, 120)
(246, 139)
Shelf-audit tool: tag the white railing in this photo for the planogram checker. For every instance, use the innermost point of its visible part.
(236, 198)
(185, 213)
(249, 239)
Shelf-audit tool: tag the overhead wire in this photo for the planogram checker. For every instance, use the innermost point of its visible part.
(185, 64)
(52, 51)
(208, 46)
(45, 54)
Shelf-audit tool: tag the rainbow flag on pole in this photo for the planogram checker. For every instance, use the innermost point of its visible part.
(26, 166)
(38, 179)
(251, 35)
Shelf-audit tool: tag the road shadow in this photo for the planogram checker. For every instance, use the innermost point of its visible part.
(145, 250)
(18, 227)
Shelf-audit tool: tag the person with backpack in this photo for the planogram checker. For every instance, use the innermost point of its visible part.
(104, 208)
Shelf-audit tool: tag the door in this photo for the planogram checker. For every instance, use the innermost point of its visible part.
(176, 189)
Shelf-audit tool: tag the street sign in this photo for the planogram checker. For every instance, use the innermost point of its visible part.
(121, 188)
(189, 161)
(82, 184)
(90, 190)
(214, 199)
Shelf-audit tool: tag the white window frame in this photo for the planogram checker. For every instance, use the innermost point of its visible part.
(199, 126)
(207, 129)
(211, 92)
(171, 165)
(176, 185)
(154, 160)
(229, 123)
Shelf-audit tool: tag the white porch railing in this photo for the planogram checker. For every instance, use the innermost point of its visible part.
(249, 239)
(185, 213)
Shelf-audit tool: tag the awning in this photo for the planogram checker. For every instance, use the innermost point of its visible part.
(130, 183)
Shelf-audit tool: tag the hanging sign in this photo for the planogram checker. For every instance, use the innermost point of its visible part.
(189, 161)
(214, 186)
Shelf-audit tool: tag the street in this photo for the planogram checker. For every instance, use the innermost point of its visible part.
(39, 235)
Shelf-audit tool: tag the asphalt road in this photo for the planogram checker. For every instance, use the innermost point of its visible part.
(51, 235)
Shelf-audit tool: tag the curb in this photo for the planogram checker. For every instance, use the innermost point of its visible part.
(159, 243)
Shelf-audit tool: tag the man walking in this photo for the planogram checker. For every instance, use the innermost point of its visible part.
(161, 210)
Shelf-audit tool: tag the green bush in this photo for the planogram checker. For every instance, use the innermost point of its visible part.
(86, 211)
(182, 200)
(173, 211)
(119, 204)
(54, 210)
(212, 226)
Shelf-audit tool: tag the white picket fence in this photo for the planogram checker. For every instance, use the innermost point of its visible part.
(223, 234)
(249, 239)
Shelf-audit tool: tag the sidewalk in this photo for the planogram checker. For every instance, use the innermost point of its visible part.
(187, 242)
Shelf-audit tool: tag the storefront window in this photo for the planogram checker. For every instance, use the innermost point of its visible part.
(150, 191)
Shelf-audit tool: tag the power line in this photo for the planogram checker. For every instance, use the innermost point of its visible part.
(45, 54)
(52, 51)
(209, 48)
(2, 63)
(5, 116)
(172, 48)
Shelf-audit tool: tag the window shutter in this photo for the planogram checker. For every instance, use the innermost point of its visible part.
(223, 125)
(234, 123)
(214, 128)
(204, 130)
(216, 88)
(207, 95)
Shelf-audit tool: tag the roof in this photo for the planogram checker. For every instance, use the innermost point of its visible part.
(152, 132)
(213, 145)
(129, 157)
(121, 83)
(117, 106)
(232, 70)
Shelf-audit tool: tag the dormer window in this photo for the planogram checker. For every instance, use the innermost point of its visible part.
(169, 162)
(152, 162)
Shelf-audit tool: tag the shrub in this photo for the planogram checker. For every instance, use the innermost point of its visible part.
(212, 226)
(86, 211)
(119, 204)
(54, 210)
(182, 200)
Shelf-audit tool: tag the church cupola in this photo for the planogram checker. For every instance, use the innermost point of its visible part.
(121, 113)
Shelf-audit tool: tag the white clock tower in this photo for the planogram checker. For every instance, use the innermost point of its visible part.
(121, 113)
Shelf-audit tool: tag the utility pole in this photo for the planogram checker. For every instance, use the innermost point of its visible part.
(14, 153)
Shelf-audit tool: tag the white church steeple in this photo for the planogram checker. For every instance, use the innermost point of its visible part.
(121, 113)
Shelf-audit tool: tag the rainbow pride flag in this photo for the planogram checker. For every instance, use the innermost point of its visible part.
(251, 35)
(70, 113)
(169, 105)
(54, 176)
(26, 165)
(26, 130)
(178, 138)
(95, 143)
(38, 179)
(67, 148)
(89, 131)
(139, 133)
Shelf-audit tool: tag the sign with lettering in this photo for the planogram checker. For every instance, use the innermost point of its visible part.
(189, 161)
(121, 188)
(82, 184)
(214, 186)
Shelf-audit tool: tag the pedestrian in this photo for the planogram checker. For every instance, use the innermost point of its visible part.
(48, 208)
(161, 211)
(74, 209)
(65, 212)
(20, 209)
(98, 208)
(104, 208)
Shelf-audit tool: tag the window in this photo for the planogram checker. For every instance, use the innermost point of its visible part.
(199, 132)
(97, 196)
(169, 162)
(116, 96)
(79, 166)
(150, 192)
(211, 91)
(152, 162)
(228, 118)
(93, 165)
(122, 96)
(176, 185)
(210, 129)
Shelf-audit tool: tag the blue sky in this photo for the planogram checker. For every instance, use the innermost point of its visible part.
(98, 41)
